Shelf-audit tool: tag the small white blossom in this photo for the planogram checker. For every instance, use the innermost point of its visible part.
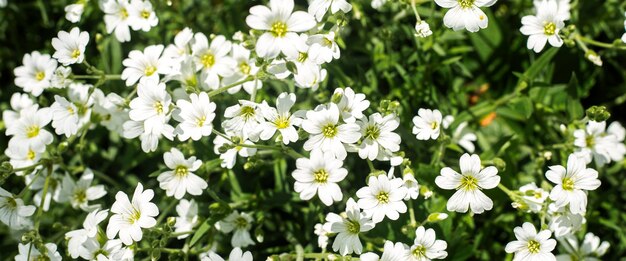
(281, 119)
(240, 225)
(36, 72)
(426, 246)
(348, 228)
(326, 133)
(379, 140)
(79, 193)
(319, 175)
(427, 124)
(351, 105)
(543, 27)
(70, 47)
(195, 117)
(469, 185)
(531, 245)
(141, 66)
(465, 14)
(422, 29)
(180, 179)
(13, 212)
(212, 59)
(129, 217)
(187, 219)
(318, 8)
(571, 184)
(382, 197)
(28, 252)
(590, 250)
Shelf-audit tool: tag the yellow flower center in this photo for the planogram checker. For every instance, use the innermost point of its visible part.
(327, 42)
(207, 60)
(191, 81)
(150, 70)
(158, 106)
(181, 171)
(282, 122)
(419, 251)
(32, 131)
(568, 184)
(590, 141)
(145, 14)
(302, 57)
(75, 53)
(468, 183)
(40, 76)
(533, 246)
(134, 216)
(80, 196)
(70, 110)
(329, 130)
(383, 197)
(434, 125)
(353, 226)
(201, 121)
(466, 3)
(549, 28)
(320, 176)
(538, 194)
(279, 29)
(247, 112)
(30, 155)
(244, 68)
(241, 223)
(124, 13)
(372, 132)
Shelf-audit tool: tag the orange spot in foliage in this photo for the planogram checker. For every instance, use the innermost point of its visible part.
(485, 121)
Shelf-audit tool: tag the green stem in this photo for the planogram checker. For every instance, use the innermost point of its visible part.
(163, 214)
(417, 16)
(43, 198)
(581, 38)
(225, 88)
(27, 167)
(510, 193)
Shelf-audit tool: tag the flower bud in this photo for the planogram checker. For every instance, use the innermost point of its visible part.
(171, 221)
(499, 164)
(593, 57)
(6, 167)
(422, 29)
(436, 217)
(598, 113)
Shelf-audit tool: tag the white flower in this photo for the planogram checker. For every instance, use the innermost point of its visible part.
(131, 216)
(562, 221)
(142, 15)
(427, 124)
(112, 250)
(141, 66)
(241, 225)
(112, 110)
(280, 27)
(533, 197)
(80, 193)
(29, 130)
(378, 4)
(322, 235)
(531, 245)
(70, 47)
(324, 46)
(465, 14)
(22, 156)
(563, 8)
(244, 119)
(382, 197)
(391, 252)
(571, 184)
(543, 27)
(348, 228)
(77, 238)
(19, 101)
(411, 185)
(35, 73)
(28, 252)
(117, 18)
(326, 133)
(229, 157)
(13, 212)
(351, 105)
(318, 8)
(213, 58)
(422, 29)
(73, 12)
(152, 101)
(281, 119)
(379, 140)
(319, 175)
(181, 179)
(590, 250)
(461, 137)
(468, 185)
(187, 211)
(602, 146)
(426, 246)
(235, 255)
(69, 116)
(195, 117)
(61, 77)
(181, 47)
(245, 67)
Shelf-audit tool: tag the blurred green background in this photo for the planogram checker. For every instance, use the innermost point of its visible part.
(462, 74)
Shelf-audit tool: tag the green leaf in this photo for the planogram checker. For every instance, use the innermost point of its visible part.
(539, 65)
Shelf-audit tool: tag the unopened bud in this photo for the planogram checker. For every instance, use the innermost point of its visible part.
(499, 164)
(598, 113)
(171, 221)
(436, 217)
(6, 167)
